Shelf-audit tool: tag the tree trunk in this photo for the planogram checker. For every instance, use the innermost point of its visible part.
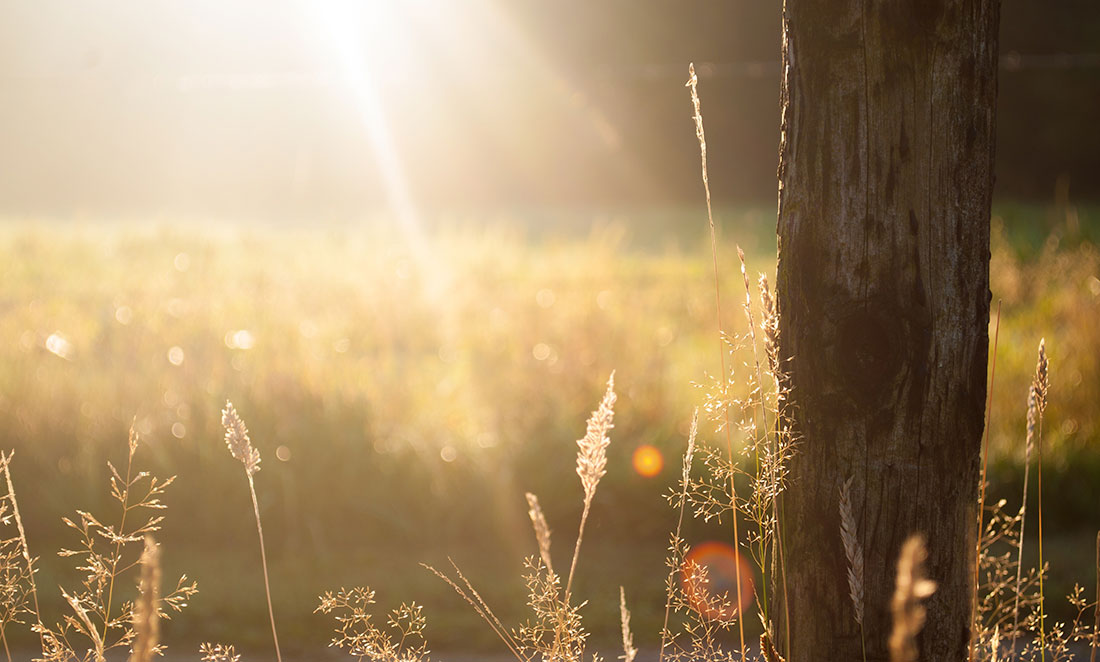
(886, 173)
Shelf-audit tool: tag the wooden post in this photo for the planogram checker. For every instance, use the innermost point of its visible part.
(886, 176)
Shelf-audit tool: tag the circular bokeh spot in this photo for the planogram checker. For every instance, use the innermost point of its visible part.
(709, 580)
(648, 461)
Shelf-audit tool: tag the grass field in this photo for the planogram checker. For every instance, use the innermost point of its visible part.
(404, 398)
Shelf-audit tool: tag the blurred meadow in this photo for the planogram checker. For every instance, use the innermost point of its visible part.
(404, 402)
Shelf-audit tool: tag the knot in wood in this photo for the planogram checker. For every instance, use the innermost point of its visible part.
(869, 354)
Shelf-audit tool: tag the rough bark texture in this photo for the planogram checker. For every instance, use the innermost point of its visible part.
(885, 185)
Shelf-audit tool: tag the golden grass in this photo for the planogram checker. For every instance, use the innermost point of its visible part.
(1096, 607)
(356, 633)
(15, 602)
(218, 653)
(92, 628)
(542, 529)
(629, 651)
(982, 483)
(1036, 404)
(678, 500)
(240, 446)
(147, 607)
(912, 587)
(693, 84)
(556, 631)
(592, 464)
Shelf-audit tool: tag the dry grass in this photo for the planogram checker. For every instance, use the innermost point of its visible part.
(93, 627)
(678, 500)
(1011, 600)
(1096, 606)
(146, 608)
(542, 529)
(696, 617)
(853, 551)
(240, 446)
(555, 632)
(1036, 404)
(629, 651)
(218, 653)
(982, 484)
(907, 608)
(19, 599)
(592, 464)
(469, 594)
(693, 84)
(401, 641)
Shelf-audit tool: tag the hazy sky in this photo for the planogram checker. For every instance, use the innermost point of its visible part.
(275, 107)
(310, 109)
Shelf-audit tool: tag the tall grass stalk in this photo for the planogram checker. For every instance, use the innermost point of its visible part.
(5, 466)
(780, 445)
(769, 468)
(236, 439)
(773, 452)
(132, 445)
(146, 611)
(629, 651)
(85, 625)
(756, 431)
(218, 653)
(263, 562)
(1039, 390)
(592, 464)
(1036, 394)
(981, 487)
(1096, 606)
(693, 83)
(681, 498)
(542, 529)
(474, 599)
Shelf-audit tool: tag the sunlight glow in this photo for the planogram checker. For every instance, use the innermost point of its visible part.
(338, 23)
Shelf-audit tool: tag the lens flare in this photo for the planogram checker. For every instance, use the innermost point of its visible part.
(709, 579)
(648, 461)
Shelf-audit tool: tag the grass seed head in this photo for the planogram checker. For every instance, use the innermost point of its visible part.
(1037, 393)
(689, 454)
(769, 324)
(542, 529)
(218, 653)
(592, 453)
(629, 651)
(852, 550)
(236, 439)
(1042, 378)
